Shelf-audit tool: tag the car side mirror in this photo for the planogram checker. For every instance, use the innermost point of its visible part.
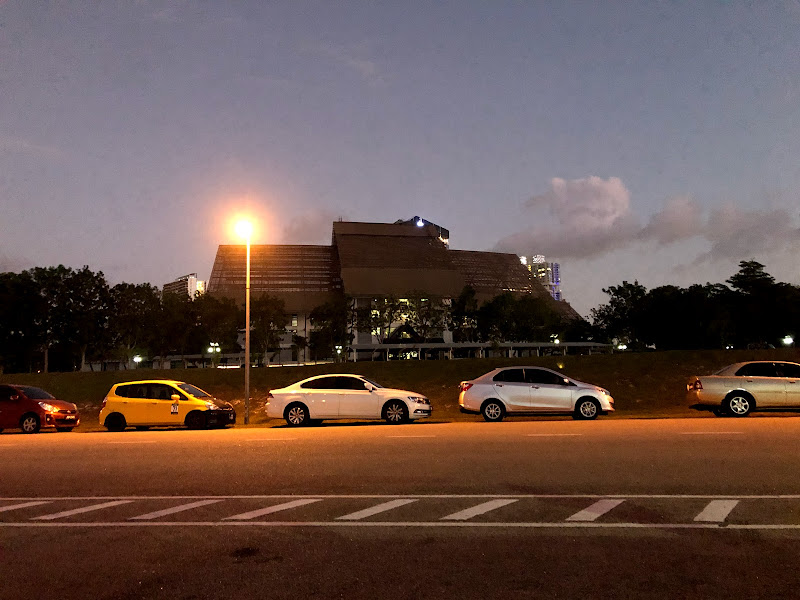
(370, 388)
(14, 398)
(174, 397)
(565, 381)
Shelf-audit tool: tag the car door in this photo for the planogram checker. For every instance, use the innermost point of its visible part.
(321, 396)
(135, 404)
(548, 391)
(761, 379)
(355, 400)
(510, 387)
(162, 409)
(791, 376)
(10, 412)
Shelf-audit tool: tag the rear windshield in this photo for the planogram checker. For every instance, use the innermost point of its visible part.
(35, 393)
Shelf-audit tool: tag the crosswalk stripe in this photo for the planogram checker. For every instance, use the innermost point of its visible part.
(374, 510)
(716, 511)
(596, 510)
(272, 509)
(23, 505)
(480, 509)
(78, 511)
(173, 510)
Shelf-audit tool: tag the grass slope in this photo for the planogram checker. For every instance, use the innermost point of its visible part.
(650, 384)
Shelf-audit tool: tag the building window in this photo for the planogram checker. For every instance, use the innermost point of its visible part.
(294, 320)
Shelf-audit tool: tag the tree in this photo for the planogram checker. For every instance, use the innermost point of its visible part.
(51, 312)
(217, 321)
(331, 322)
(463, 317)
(135, 309)
(86, 305)
(426, 315)
(620, 318)
(268, 319)
(384, 316)
(19, 335)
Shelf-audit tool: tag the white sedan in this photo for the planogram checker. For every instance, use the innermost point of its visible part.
(532, 390)
(344, 396)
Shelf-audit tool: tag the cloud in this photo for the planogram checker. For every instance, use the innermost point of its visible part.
(587, 217)
(309, 227)
(590, 217)
(353, 58)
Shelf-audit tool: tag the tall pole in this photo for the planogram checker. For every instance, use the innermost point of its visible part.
(247, 339)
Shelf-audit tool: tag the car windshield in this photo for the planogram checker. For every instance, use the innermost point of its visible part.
(377, 385)
(35, 393)
(194, 391)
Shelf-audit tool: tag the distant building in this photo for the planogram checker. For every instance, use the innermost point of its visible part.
(368, 261)
(548, 274)
(187, 284)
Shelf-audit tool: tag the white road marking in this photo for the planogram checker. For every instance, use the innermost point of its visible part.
(270, 440)
(84, 509)
(420, 496)
(411, 436)
(717, 511)
(23, 505)
(480, 509)
(272, 509)
(553, 434)
(377, 509)
(712, 432)
(596, 510)
(174, 509)
(499, 525)
(134, 442)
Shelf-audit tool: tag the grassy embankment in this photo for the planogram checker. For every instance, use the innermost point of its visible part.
(644, 385)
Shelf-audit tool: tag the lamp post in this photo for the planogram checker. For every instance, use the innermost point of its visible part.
(245, 229)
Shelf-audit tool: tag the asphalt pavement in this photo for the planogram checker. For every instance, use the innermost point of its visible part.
(556, 508)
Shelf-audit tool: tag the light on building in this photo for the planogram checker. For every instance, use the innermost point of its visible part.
(214, 347)
(137, 359)
(420, 223)
(622, 346)
(788, 340)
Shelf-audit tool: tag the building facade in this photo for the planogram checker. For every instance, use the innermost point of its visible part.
(186, 284)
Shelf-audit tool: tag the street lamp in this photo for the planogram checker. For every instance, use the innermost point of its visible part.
(245, 230)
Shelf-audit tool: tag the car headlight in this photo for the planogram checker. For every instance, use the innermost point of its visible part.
(48, 407)
(418, 399)
(210, 406)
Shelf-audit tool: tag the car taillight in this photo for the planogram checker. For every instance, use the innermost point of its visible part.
(270, 396)
(103, 405)
(696, 385)
(465, 385)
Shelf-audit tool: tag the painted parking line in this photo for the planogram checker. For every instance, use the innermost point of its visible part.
(377, 509)
(78, 511)
(480, 509)
(23, 505)
(134, 442)
(173, 510)
(553, 434)
(410, 436)
(596, 510)
(272, 509)
(716, 511)
(270, 440)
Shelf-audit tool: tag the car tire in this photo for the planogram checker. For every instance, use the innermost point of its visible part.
(296, 415)
(196, 420)
(738, 404)
(116, 422)
(493, 411)
(29, 423)
(64, 429)
(586, 409)
(395, 412)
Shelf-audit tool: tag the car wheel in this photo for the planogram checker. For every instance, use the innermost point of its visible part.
(493, 411)
(395, 412)
(296, 415)
(586, 409)
(66, 429)
(116, 422)
(738, 404)
(196, 420)
(29, 423)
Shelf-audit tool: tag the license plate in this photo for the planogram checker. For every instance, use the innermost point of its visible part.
(69, 418)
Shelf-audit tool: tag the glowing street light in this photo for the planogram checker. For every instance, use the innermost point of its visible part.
(245, 230)
(788, 340)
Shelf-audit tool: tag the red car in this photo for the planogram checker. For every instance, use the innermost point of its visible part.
(31, 408)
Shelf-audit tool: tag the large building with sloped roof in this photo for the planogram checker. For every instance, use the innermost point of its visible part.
(367, 261)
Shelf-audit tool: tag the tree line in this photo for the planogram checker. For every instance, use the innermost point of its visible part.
(751, 311)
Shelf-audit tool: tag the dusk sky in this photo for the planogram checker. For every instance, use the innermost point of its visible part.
(657, 141)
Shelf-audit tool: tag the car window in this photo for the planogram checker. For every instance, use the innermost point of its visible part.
(351, 383)
(757, 370)
(542, 376)
(138, 390)
(323, 383)
(510, 375)
(789, 370)
(161, 391)
(194, 391)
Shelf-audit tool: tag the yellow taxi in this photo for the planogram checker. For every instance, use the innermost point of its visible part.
(160, 403)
